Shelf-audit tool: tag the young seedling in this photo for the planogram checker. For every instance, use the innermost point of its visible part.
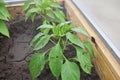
(61, 35)
(4, 16)
(49, 10)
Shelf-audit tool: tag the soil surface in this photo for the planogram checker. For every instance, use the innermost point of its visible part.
(15, 53)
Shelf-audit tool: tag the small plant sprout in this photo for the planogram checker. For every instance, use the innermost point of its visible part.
(4, 16)
(61, 35)
(49, 10)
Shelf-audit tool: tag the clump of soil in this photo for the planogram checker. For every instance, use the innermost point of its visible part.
(15, 53)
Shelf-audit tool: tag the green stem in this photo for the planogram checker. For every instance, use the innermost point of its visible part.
(52, 41)
(65, 44)
(75, 59)
(57, 78)
(64, 57)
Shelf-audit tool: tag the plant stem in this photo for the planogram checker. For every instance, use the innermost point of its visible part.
(57, 78)
(66, 41)
(64, 57)
(75, 59)
(52, 41)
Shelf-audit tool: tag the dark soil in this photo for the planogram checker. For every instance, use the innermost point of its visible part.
(15, 53)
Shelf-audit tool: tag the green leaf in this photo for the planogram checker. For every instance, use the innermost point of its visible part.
(3, 17)
(36, 65)
(45, 30)
(4, 29)
(84, 59)
(80, 30)
(26, 6)
(37, 2)
(35, 38)
(74, 39)
(45, 26)
(56, 60)
(27, 15)
(2, 2)
(64, 28)
(51, 14)
(4, 11)
(62, 14)
(33, 16)
(64, 23)
(33, 10)
(59, 16)
(56, 5)
(70, 71)
(42, 42)
(89, 47)
(56, 30)
(30, 12)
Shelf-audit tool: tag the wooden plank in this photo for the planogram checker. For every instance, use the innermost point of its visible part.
(15, 11)
(105, 63)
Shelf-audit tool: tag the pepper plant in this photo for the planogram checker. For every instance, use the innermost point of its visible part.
(4, 16)
(61, 35)
(49, 10)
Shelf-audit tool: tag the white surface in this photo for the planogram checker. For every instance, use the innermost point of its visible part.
(14, 1)
(105, 16)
